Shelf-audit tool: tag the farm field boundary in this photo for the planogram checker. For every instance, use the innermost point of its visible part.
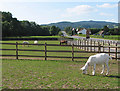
(46, 51)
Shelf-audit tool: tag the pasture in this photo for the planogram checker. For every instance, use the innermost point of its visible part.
(108, 37)
(37, 74)
(54, 73)
(37, 53)
(35, 37)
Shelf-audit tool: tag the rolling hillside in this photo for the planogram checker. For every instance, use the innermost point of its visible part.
(84, 24)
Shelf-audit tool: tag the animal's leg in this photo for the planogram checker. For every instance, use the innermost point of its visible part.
(103, 68)
(86, 72)
(107, 68)
(93, 73)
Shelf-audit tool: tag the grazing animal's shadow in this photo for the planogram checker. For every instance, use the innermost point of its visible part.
(110, 76)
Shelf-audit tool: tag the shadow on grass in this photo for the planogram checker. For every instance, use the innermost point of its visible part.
(110, 76)
(44, 60)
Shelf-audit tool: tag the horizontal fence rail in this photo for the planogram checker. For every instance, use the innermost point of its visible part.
(87, 46)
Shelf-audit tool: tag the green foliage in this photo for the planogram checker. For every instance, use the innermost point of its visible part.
(60, 33)
(12, 27)
(106, 29)
(68, 30)
(94, 30)
(54, 30)
(84, 24)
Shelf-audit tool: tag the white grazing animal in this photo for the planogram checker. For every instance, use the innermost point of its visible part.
(101, 58)
(25, 43)
(35, 42)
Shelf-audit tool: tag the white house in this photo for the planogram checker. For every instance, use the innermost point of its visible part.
(87, 32)
(82, 31)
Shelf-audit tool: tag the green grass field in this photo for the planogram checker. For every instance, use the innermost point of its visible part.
(42, 48)
(37, 74)
(53, 73)
(109, 37)
(35, 37)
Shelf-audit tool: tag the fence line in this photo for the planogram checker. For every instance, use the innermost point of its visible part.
(81, 44)
(110, 47)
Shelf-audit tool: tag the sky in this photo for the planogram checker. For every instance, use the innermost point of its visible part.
(52, 11)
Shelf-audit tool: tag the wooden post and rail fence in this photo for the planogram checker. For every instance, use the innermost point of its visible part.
(85, 46)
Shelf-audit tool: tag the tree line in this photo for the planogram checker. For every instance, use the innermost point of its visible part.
(11, 27)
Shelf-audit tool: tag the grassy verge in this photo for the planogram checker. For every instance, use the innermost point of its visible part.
(109, 37)
(37, 74)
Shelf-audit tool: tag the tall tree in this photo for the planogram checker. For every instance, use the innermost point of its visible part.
(54, 30)
(106, 29)
(68, 30)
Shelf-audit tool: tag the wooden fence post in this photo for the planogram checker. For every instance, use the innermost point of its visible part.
(116, 52)
(85, 45)
(77, 43)
(99, 47)
(45, 51)
(72, 52)
(88, 45)
(80, 43)
(103, 46)
(109, 48)
(16, 50)
(91, 45)
(94, 46)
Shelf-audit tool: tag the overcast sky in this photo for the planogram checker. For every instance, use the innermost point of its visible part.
(51, 11)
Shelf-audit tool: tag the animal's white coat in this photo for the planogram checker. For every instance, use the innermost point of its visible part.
(25, 42)
(101, 58)
(35, 42)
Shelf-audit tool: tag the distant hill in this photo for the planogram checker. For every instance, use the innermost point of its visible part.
(84, 24)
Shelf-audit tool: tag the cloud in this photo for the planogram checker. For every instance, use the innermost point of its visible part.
(111, 20)
(79, 10)
(107, 5)
(106, 14)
